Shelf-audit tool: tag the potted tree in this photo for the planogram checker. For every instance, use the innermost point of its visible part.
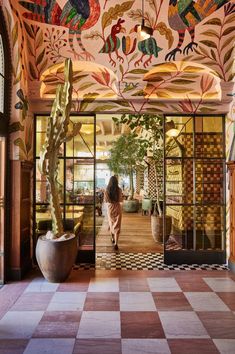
(126, 155)
(56, 251)
(152, 127)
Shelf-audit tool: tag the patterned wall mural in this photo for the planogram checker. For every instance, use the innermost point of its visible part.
(181, 68)
(186, 66)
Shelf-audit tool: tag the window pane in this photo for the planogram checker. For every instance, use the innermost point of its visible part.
(42, 188)
(82, 144)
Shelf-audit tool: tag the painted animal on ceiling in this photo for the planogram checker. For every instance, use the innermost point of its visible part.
(76, 15)
(184, 15)
(112, 42)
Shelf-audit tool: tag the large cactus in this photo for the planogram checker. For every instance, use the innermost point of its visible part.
(57, 133)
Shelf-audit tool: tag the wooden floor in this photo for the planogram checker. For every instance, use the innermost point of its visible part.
(135, 235)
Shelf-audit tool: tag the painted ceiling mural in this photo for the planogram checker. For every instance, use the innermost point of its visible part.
(183, 67)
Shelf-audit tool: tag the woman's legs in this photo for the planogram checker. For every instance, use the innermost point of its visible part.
(116, 236)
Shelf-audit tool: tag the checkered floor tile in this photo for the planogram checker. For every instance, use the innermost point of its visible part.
(142, 261)
(120, 312)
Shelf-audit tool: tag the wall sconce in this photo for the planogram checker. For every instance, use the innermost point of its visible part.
(144, 32)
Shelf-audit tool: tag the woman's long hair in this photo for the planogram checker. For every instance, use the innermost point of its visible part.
(113, 189)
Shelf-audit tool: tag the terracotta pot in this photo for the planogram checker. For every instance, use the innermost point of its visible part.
(131, 206)
(56, 258)
(157, 227)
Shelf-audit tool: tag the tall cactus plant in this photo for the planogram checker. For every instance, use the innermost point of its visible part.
(57, 133)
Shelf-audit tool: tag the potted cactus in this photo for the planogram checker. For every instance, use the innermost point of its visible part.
(56, 251)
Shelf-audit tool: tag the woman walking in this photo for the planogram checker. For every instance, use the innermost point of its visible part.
(113, 198)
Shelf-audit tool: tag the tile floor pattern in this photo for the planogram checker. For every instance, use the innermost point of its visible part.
(120, 312)
(141, 261)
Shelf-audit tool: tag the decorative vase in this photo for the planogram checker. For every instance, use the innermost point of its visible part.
(157, 227)
(131, 206)
(56, 258)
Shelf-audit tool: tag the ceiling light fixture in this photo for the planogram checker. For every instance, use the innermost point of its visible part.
(144, 32)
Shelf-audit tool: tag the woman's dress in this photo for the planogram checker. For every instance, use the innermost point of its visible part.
(114, 211)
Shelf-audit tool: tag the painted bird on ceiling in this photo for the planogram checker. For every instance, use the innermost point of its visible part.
(184, 15)
(112, 42)
(76, 15)
(146, 47)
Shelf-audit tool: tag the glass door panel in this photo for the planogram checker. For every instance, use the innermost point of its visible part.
(194, 181)
(2, 204)
(75, 180)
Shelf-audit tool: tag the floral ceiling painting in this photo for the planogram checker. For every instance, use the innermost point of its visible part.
(184, 67)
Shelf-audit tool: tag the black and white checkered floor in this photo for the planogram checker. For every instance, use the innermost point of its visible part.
(142, 261)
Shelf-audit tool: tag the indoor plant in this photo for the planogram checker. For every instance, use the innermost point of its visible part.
(152, 129)
(56, 251)
(126, 155)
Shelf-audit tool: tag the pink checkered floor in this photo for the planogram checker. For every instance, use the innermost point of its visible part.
(120, 311)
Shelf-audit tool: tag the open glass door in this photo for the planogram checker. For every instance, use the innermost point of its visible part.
(194, 184)
(2, 204)
(76, 179)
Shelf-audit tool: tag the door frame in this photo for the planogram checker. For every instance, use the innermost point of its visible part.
(4, 132)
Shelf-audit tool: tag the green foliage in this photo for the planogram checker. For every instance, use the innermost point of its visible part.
(126, 155)
(152, 125)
